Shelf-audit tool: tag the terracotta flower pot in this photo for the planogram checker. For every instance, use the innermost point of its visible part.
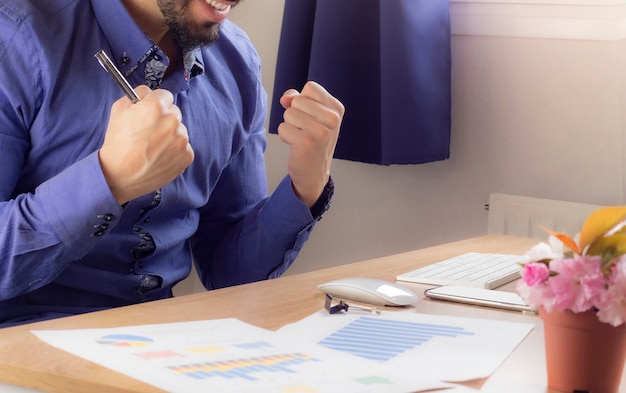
(582, 353)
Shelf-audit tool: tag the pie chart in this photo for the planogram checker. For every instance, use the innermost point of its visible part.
(125, 340)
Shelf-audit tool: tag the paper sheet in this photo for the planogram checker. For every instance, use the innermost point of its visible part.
(447, 348)
(228, 355)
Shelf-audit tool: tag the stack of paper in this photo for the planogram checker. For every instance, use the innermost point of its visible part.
(392, 352)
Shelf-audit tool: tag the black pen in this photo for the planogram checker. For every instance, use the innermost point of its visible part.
(117, 76)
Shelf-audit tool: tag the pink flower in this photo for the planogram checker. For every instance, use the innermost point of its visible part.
(612, 305)
(535, 273)
(578, 284)
(539, 295)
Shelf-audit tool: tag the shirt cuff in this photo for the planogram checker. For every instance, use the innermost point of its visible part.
(323, 202)
(79, 204)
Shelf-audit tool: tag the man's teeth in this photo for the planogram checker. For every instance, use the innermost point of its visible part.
(216, 5)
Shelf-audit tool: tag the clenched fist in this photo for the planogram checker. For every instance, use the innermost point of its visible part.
(311, 127)
(146, 145)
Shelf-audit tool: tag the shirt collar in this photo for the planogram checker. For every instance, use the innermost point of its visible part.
(134, 53)
(193, 64)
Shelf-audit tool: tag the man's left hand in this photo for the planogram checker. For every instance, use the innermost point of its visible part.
(311, 125)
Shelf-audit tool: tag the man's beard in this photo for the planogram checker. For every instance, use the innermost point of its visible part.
(183, 28)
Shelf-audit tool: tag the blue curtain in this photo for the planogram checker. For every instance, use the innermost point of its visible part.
(388, 61)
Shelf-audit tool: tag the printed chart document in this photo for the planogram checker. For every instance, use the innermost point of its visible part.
(447, 348)
(228, 355)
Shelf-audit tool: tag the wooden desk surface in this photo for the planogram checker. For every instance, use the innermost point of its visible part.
(27, 361)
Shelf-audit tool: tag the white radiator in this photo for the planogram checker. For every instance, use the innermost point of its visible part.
(522, 216)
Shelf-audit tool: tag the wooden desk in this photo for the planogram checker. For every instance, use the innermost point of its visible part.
(27, 361)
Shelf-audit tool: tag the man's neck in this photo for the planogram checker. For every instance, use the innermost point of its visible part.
(149, 18)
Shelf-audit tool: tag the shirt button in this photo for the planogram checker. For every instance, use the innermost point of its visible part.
(106, 217)
(101, 227)
(99, 233)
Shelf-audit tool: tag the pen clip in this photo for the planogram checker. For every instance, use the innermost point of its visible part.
(117, 76)
(343, 306)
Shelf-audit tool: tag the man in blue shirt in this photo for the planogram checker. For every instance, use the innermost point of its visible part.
(105, 203)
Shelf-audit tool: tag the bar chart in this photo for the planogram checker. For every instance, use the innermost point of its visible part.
(244, 368)
(383, 339)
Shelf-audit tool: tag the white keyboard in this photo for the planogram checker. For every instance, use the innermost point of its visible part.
(473, 269)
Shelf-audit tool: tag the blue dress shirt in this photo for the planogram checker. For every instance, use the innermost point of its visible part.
(66, 245)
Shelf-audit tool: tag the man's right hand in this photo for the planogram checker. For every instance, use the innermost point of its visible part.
(146, 146)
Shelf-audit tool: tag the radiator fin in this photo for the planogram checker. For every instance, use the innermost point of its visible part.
(517, 215)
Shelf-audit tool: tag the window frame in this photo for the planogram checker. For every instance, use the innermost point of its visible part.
(603, 20)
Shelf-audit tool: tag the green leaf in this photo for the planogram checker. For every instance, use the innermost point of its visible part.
(608, 248)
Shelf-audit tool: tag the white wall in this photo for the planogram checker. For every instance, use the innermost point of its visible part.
(538, 110)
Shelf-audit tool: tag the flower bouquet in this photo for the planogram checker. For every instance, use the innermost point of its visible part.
(583, 275)
(579, 287)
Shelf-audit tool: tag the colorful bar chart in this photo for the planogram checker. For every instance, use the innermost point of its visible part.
(383, 339)
(244, 368)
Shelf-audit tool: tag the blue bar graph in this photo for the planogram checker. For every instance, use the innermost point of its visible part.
(383, 339)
